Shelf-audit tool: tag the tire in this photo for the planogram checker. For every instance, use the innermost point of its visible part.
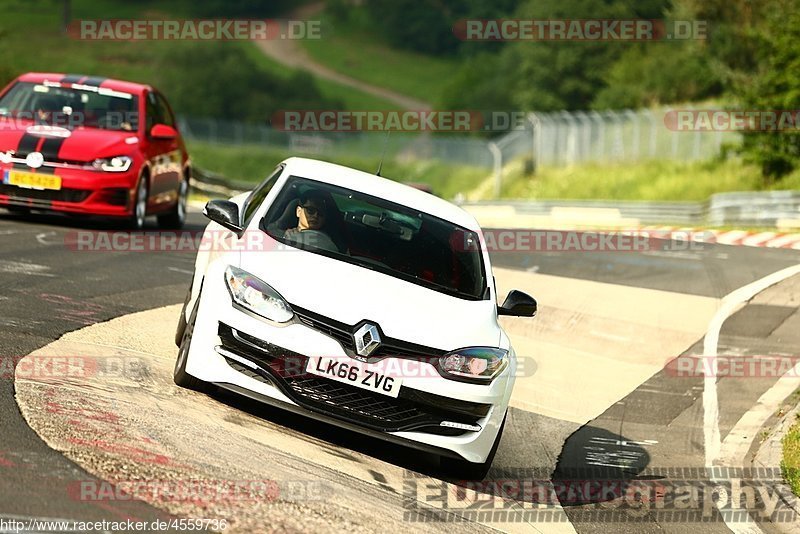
(139, 215)
(177, 217)
(464, 470)
(179, 375)
(18, 210)
(182, 319)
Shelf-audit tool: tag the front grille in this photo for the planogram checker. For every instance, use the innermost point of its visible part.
(412, 410)
(343, 333)
(48, 195)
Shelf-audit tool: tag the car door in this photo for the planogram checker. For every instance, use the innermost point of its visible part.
(163, 155)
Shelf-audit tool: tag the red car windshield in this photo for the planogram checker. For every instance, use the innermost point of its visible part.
(70, 107)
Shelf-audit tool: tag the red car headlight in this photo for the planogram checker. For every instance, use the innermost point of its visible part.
(115, 164)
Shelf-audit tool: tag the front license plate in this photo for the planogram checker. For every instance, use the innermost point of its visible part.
(354, 373)
(34, 181)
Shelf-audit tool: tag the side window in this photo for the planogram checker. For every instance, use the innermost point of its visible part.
(165, 115)
(257, 197)
(151, 112)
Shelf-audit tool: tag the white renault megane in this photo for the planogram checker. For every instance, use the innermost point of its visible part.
(358, 301)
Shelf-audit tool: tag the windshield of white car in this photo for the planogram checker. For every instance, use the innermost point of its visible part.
(378, 235)
(70, 107)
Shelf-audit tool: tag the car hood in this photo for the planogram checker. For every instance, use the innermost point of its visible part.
(81, 144)
(349, 294)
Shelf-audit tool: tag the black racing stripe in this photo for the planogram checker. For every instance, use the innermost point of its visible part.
(50, 148)
(94, 81)
(27, 145)
(72, 78)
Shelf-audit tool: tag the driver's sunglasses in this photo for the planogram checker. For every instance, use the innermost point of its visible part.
(313, 211)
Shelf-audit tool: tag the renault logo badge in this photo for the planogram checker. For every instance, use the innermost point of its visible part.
(367, 339)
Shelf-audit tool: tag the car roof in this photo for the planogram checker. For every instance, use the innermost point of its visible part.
(98, 81)
(377, 186)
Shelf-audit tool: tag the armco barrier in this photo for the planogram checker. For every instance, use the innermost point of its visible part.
(745, 209)
(769, 209)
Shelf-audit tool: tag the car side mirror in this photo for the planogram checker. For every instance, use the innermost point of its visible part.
(162, 131)
(518, 304)
(224, 213)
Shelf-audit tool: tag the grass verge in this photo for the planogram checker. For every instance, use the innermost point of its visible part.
(654, 180)
(790, 465)
(252, 163)
(352, 51)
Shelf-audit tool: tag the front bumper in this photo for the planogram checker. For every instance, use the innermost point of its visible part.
(225, 351)
(82, 192)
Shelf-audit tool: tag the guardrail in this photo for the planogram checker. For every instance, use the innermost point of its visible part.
(774, 209)
(215, 185)
(745, 209)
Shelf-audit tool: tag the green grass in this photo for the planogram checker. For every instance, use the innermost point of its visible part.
(351, 51)
(654, 180)
(790, 465)
(252, 163)
(351, 99)
(32, 41)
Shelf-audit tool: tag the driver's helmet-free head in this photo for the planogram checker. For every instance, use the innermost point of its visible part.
(314, 198)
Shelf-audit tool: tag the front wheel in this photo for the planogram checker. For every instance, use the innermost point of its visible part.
(176, 218)
(139, 214)
(464, 470)
(179, 375)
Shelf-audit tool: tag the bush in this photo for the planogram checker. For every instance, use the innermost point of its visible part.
(775, 86)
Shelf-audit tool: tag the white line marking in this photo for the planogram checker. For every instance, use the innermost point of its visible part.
(41, 238)
(20, 267)
(729, 304)
(179, 270)
(738, 441)
(609, 336)
(711, 435)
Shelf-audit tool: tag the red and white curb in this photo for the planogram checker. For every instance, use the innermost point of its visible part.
(733, 237)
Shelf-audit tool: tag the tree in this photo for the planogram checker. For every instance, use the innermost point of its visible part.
(774, 86)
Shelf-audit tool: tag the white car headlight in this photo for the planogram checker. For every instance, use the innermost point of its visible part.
(115, 164)
(474, 364)
(255, 295)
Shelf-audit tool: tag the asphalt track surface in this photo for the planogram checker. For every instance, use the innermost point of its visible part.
(47, 290)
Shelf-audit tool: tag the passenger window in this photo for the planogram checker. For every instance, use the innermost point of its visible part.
(257, 197)
(151, 112)
(164, 113)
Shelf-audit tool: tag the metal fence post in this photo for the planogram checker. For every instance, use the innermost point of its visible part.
(497, 154)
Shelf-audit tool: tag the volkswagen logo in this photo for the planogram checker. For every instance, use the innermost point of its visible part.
(367, 339)
(34, 160)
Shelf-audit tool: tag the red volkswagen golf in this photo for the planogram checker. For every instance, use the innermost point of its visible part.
(76, 144)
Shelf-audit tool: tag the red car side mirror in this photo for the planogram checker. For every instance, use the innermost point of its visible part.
(162, 131)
